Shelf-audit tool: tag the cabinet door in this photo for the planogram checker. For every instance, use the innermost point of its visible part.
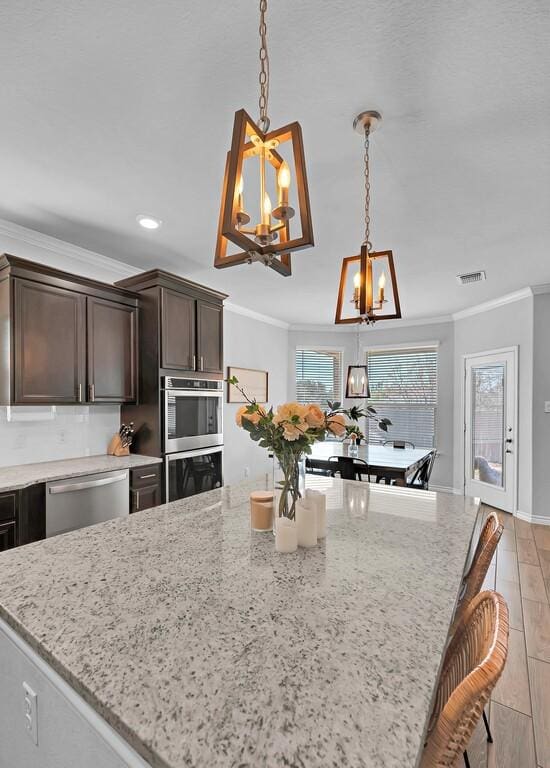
(112, 345)
(210, 337)
(7, 536)
(48, 344)
(144, 498)
(178, 331)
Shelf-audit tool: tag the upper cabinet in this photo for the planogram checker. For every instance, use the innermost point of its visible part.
(209, 337)
(48, 344)
(112, 350)
(181, 326)
(178, 323)
(64, 339)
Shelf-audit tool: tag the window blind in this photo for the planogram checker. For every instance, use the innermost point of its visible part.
(403, 387)
(318, 376)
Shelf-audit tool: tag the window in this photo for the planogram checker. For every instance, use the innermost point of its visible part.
(318, 376)
(403, 387)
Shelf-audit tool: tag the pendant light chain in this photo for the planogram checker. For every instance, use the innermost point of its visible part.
(263, 122)
(367, 241)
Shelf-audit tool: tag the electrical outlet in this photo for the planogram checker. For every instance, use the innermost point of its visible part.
(30, 712)
(246, 472)
(547, 406)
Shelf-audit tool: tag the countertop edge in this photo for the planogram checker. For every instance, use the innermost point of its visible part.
(123, 462)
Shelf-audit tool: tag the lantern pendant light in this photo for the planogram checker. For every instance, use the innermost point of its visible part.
(368, 286)
(262, 164)
(357, 381)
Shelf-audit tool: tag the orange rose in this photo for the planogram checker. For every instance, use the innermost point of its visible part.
(243, 414)
(337, 424)
(239, 415)
(293, 427)
(315, 416)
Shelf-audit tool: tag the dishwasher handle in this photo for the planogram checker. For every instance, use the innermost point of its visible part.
(87, 484)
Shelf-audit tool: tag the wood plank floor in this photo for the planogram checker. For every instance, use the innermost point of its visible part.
(519, 711)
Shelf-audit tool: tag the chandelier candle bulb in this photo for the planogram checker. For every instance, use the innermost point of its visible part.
(286, 535)
(318, 500)
(306, 522)
(381, 287)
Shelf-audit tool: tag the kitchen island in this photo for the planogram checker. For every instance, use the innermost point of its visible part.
(201, 646)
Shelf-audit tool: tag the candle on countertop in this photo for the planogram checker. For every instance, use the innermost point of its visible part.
(261, 510)
(319, 501)
(306, 522)
(286, 535)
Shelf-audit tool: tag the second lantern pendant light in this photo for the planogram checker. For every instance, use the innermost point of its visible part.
(368, 285)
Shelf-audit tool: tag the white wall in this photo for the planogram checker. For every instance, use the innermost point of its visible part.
(505, 326)
(541, 394)
(251, 343)
(398, 334)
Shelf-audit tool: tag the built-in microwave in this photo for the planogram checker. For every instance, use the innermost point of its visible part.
(192, 414)
(192, 472)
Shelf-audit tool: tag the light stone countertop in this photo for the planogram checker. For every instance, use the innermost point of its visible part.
(23, 475)
(204, 647)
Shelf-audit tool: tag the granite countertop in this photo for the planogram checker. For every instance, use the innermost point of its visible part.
(23, 475)
(204, 647)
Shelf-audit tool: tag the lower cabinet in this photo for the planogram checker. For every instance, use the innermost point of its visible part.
(145, 488)
(7, 536)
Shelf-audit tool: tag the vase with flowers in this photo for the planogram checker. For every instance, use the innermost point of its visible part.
(290, 431)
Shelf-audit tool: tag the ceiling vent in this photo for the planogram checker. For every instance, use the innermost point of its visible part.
(471, 277)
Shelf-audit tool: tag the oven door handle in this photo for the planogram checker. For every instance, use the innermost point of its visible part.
(190, 454)
(194, 393)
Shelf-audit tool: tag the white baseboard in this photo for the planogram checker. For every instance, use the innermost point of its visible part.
(533, 519)
(446, 489)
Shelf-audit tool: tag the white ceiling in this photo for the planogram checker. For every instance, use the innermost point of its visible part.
(114, 109)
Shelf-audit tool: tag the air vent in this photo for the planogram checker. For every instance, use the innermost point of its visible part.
(471, 277)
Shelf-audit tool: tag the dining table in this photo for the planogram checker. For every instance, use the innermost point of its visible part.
(382, 460)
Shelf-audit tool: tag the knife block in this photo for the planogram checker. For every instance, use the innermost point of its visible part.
(116, 448)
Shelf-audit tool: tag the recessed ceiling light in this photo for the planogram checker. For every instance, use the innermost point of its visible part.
(148, 222)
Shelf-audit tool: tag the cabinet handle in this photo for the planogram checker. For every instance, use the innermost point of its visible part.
(202, 363)
(80, 393)
(91, 392)
(194, 362)
(146, 477)
(137, 501)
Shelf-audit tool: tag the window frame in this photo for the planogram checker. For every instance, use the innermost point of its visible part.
(429, 345)
(321, 348)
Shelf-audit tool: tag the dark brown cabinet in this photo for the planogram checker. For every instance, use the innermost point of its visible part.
(48, 343)
(112, 350)
(179, 348)
(209, 337)
(65, 339)
(145, 488)
(7, 536)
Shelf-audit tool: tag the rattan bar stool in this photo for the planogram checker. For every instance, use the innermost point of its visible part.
(485, 550)
(473, 663)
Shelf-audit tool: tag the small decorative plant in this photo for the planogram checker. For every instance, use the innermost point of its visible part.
(353, 429)
(291, 430)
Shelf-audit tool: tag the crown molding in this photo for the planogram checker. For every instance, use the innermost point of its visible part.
(487, 306)
(245, 312)
(60, 247)
(540, 289)
(381, 325)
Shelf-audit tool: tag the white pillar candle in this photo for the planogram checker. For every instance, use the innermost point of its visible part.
(319, 501)
(306, 521)
(286, 535)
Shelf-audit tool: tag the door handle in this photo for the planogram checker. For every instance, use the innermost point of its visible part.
(202, 363)
(508, 451)
(509, 440)
(80, 393)
(137, 501)
(91, 392)
(194, 362)
(87, 484)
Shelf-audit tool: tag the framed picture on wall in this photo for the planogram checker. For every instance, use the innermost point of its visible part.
(254, 383)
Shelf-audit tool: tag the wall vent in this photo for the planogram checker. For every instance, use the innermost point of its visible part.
(471, 277)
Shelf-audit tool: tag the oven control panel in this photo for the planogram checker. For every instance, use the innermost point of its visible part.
(193, 384)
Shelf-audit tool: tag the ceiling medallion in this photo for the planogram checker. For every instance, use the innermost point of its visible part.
(358, 299)
(261, 161)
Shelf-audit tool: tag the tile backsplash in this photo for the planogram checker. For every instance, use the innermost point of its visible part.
(46, 433)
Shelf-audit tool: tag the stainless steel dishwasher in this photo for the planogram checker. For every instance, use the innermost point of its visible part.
(80, 501)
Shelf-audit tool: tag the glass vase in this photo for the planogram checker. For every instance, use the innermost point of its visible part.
(288, 482)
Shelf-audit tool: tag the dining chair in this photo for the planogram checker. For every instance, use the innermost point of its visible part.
(474, 578)
(348, 467)
(473, 664)
(317, 467)
(420, 478)
(399, 443)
